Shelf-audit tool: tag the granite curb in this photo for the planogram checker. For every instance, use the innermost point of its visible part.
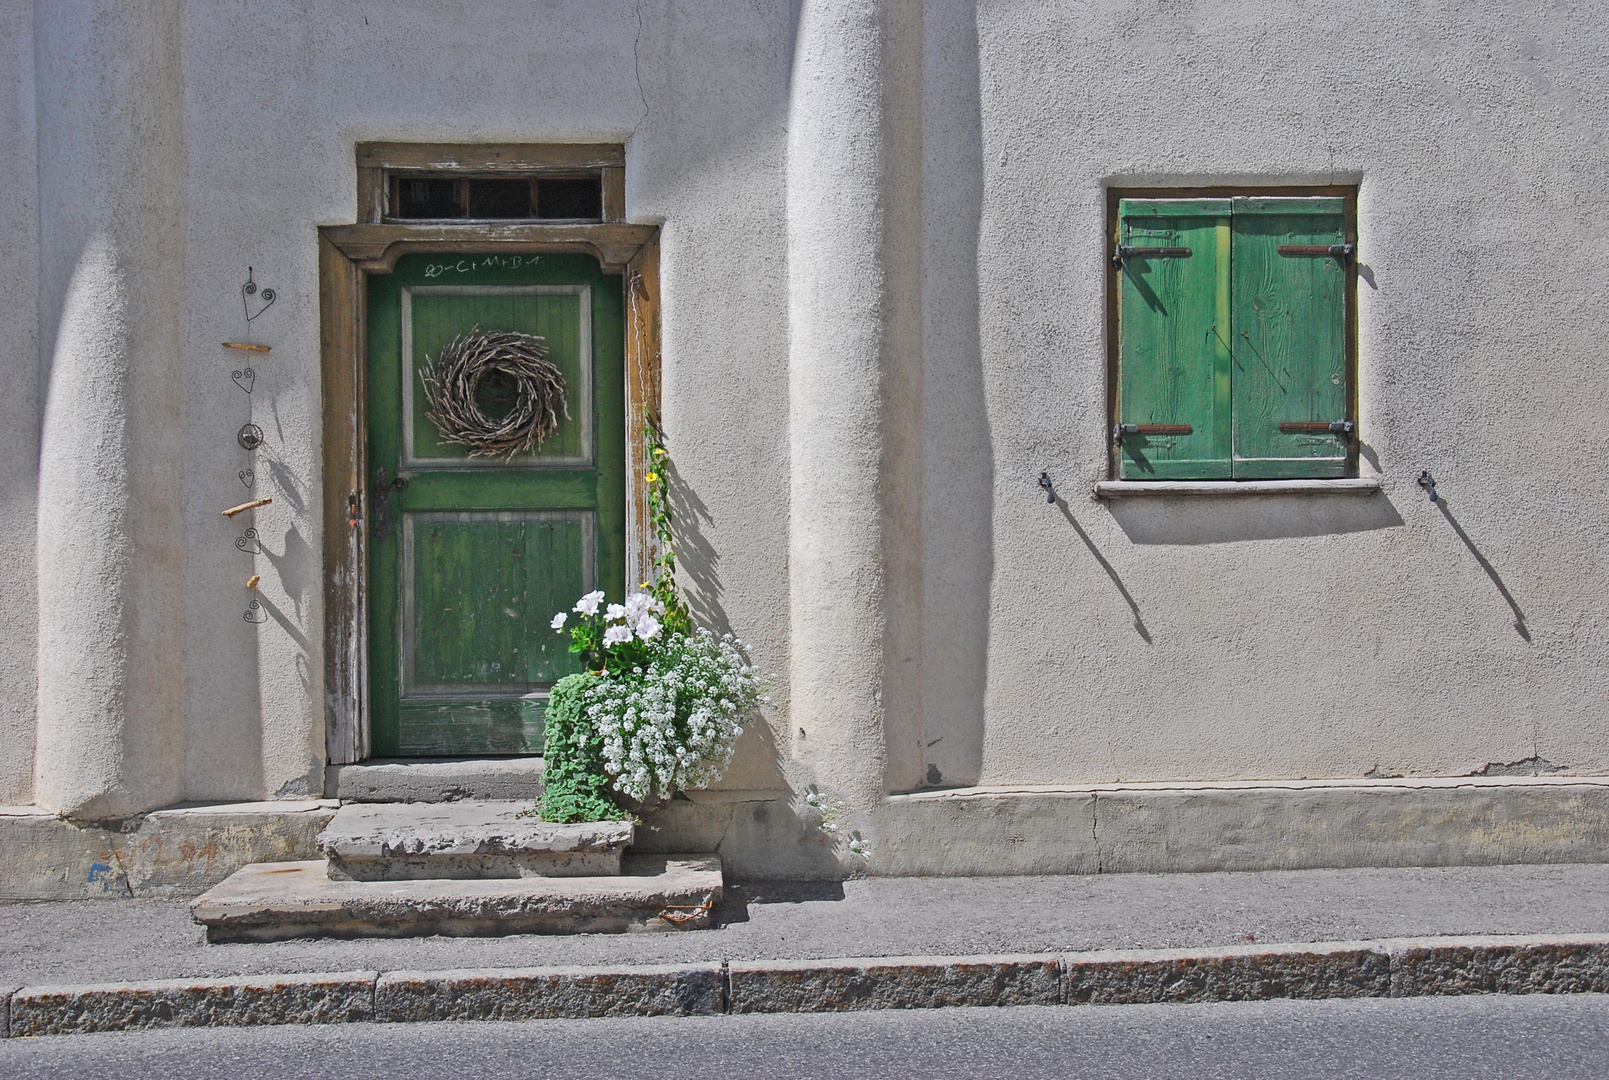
(1395, 967)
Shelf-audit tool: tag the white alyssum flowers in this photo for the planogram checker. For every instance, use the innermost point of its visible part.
(671, 725)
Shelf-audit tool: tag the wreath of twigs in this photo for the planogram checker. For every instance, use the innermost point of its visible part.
(453, 377)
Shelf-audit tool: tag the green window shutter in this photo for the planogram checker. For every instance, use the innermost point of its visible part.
(1289, 340)
(1173, 338)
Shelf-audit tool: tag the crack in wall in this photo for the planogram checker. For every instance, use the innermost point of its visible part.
(636, 66)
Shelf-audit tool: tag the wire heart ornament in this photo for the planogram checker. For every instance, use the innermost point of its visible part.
(251, 297)
(245, 379)
(248, 542)
(254, 613)
(247, 477)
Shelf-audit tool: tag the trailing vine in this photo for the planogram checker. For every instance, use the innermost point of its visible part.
(662, 582)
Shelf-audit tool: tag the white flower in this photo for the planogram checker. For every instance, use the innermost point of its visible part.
(647, 626)
(588, 604)
(637, 605)
(558, 621)
(614, 613)
(615, 635)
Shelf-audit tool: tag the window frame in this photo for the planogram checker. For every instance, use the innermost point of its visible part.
(1348, 193)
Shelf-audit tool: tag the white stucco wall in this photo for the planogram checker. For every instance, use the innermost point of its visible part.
(19, 404)
(956, 276)
(1290, 637)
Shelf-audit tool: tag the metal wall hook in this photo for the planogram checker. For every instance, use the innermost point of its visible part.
(1050, 492)
(1428, 482)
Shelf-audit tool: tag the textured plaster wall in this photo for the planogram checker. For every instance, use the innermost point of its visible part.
(110, 554)
(1280, 637)
(276, 96)
(19, 404)
(883, 270)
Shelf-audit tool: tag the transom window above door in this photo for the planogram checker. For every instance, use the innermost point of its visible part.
(1235, 355)
(453, 184)
(495, 198)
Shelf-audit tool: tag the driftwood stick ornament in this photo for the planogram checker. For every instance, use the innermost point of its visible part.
(243, 507)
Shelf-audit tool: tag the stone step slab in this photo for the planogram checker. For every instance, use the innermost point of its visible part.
(469, 839)
(277, 901)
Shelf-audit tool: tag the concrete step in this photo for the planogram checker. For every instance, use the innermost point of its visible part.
(467, 839)
(276, 901)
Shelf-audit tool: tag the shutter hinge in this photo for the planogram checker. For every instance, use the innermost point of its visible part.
(1120, 430)
(1344, 252)
(1124, 251)
(1343, 428)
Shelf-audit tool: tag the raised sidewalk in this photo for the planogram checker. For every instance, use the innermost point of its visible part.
(878, 943)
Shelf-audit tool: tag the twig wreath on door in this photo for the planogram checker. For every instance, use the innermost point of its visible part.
(506, 371)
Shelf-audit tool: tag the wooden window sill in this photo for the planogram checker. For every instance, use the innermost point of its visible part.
(1121, 489)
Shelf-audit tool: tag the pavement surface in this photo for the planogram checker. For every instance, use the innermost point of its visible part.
(96, 941)
(1469, 1038)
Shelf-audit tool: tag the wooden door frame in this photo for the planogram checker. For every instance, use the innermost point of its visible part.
(347, 254)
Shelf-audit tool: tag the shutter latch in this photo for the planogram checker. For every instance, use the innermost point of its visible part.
(1120, 430)
(1343, 428)
(1124, 251)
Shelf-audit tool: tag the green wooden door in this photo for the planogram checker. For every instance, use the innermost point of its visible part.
(469, 558)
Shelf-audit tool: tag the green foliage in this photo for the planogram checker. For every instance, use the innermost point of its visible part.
(574, 785)
(658, 706)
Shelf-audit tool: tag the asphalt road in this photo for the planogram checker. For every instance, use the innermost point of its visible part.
(1470, 1038)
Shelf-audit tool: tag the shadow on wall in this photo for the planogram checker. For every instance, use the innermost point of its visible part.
(1111, 572)
(697, 561)
(757, 757)
(1491, 572)
(1250, 517)
(957, 453)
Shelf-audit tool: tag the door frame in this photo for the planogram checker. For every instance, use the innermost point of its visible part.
(347, 254)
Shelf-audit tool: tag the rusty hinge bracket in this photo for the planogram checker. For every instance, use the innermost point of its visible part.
(1124, 251)
(1120, 430)
(1344, 252)
(1343, 428)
